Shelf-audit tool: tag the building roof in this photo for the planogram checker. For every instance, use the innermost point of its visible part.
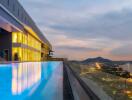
(21, 14)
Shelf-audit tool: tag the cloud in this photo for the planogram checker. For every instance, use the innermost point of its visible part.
(85, 28)
(113, 25)
(76, 48)
(125, 50)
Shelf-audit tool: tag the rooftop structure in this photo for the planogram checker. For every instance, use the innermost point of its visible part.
(20, 38)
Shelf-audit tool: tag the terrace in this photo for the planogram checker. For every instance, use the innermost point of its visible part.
(42, 81)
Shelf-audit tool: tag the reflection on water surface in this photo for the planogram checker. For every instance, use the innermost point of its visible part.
(21, 80)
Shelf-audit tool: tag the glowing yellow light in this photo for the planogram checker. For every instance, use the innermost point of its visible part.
(30, 40)
(98, 66)
(31, 31)
(129, 80)
(14, 37)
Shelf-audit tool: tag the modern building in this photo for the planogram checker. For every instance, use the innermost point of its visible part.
(20, 38)
(127, 67)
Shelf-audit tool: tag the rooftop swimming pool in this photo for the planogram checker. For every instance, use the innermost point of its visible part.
(31, 81)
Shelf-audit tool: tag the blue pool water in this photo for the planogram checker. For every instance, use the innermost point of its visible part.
(31, 81)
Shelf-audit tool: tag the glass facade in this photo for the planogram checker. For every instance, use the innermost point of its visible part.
(26, 47)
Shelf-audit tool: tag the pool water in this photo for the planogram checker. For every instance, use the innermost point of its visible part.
(31, 81)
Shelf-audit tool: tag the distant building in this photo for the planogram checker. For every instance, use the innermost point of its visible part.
(127, 67)
(20, 38)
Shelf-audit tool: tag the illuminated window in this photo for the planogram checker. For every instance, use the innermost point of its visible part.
(26, 54)
(14, 37)
(19, 37)
(20, 54)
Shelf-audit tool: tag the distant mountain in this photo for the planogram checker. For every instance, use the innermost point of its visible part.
(102, 60)
(98, 59)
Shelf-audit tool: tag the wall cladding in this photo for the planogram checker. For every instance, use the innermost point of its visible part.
(15, 8)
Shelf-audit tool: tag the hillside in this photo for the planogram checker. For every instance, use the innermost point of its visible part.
(102, 60)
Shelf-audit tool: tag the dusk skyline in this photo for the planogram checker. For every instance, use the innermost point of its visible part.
(80, 29)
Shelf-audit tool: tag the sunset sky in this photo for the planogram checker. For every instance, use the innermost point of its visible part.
(80, 29)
